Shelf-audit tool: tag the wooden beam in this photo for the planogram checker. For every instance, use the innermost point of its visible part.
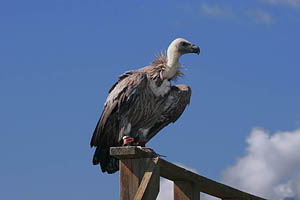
(149, 187)
(184, 190)
(176, 173)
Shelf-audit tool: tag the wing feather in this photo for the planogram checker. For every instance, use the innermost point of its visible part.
(179, 98)
(121, 95)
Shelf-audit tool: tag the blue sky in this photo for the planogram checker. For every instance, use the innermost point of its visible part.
(59, 58)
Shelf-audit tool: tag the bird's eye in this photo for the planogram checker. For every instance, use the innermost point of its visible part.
(184, 44)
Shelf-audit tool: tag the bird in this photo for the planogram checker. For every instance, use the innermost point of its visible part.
(141, 103)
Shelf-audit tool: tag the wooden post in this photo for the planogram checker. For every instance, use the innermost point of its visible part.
(185, 190)
(131, 174)
(139, 173)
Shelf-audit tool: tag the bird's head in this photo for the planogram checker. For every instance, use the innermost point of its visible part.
(181, 46)
(176, 49)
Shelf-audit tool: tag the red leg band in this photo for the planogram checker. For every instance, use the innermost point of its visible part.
(128, 140)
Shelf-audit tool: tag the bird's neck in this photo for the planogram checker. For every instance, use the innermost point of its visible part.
(172, 65)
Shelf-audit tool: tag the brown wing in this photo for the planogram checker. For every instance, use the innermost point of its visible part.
(121, 93)
(108, 129)
(178, 99)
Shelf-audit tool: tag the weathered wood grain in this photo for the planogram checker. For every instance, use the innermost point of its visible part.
(129, 181)
(131, 175)
(149, 187)
(131, 152)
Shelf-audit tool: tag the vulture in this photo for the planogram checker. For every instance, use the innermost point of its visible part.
(140, 104)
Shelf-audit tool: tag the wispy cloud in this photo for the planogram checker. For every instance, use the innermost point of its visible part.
(260, 16)
(270, 167)
(292, 3)
(229, 13)
(212, 10)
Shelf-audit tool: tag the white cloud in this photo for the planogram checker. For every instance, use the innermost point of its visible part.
(261, 17)
(292, 3)
(270, 166)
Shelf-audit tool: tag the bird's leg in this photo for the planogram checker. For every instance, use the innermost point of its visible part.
(128, 141)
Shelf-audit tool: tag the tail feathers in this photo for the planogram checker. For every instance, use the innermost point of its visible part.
(108, 163)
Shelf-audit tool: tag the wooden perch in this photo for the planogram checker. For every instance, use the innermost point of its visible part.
(140, 170)
(131, 152)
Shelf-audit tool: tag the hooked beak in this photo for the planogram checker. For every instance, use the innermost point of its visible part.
(195, 49)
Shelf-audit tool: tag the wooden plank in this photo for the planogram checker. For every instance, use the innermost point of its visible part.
(131, 174)
(184, 190)
(131, 152)
(149, 187)
(129, 180)
(176, 173)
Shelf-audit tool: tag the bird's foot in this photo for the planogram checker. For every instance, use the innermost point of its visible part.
(128, 141)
